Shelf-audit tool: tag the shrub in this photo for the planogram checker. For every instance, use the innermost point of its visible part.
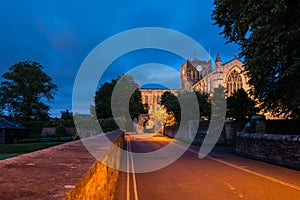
(34, 140)
(108, 125)
(35, 128)
(68, 123)
(76, 137)
(60, 131)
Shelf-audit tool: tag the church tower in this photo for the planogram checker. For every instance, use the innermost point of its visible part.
(193, 71)
(218, 61)
(217, 76)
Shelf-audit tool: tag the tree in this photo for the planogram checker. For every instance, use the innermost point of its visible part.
(66, 115)
(268, 34)
(234, 108)
(160, 115)
(170, 102)
(104, 95)
(103, 100)
(60, 130)
(136, 106)
(204, 105)
(24, 91)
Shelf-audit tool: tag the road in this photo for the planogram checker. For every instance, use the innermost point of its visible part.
(220, 175)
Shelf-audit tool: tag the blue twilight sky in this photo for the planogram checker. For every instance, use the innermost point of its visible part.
(59, 34)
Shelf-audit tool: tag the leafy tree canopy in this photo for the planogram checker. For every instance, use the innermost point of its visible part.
(66, 115)
(104, 95)
(204, 105)
(240, 105)
(268, 33)
(170, 102)
(24, 91)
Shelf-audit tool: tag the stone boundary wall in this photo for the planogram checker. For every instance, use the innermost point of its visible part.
(100, 180)
(65, 171)
(273, 148)
(197, 133)
(51, 131)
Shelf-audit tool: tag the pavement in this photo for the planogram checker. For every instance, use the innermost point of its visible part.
(220, 175)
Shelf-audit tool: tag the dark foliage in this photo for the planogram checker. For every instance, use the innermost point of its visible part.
(103, 99)
(60, 131)
(268, 34)
(24, 91)
(241, 106)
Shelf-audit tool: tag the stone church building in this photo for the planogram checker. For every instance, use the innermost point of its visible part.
(199, 75)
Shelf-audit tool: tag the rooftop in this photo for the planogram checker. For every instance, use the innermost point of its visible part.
(5, 124)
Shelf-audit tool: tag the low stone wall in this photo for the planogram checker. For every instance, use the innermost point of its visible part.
(171, 131)
(65, 171)
(51, 131)
(277, 149)
(100, 181)
(197, 131)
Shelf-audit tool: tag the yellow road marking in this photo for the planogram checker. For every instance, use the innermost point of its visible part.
(251, 172)
(133, 175)
(128, 177)
(296, 187)
(130, 157)
(256, 173)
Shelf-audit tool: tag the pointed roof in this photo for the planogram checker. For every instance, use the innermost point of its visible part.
(218, 58)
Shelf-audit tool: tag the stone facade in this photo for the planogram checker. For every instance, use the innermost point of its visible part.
(229, 75)
(193, 71)
(199, 75)
(152, 97)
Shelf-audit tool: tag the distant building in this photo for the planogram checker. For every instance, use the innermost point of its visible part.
(229, 75)
(10, 132)
(198, 75)
(152, 97)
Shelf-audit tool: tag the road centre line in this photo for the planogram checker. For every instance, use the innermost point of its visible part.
(130, 157)
(252, 172)
(257, 174)
(133, 175)
(296, 187)
(128, 176)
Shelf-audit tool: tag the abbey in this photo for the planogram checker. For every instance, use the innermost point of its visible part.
(199, 75)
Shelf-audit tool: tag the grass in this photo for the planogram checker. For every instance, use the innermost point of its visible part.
(12, 150)
(8, 155)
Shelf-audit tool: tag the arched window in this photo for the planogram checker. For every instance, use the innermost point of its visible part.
(234, 82)
(146, 99)
(158, 99)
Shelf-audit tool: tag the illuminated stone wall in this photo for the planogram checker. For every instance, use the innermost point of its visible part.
(100, 181)
(152, 97)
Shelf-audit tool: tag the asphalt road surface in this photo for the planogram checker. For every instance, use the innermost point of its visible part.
(220, 175)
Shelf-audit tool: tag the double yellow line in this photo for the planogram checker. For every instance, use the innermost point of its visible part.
(130, 167)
